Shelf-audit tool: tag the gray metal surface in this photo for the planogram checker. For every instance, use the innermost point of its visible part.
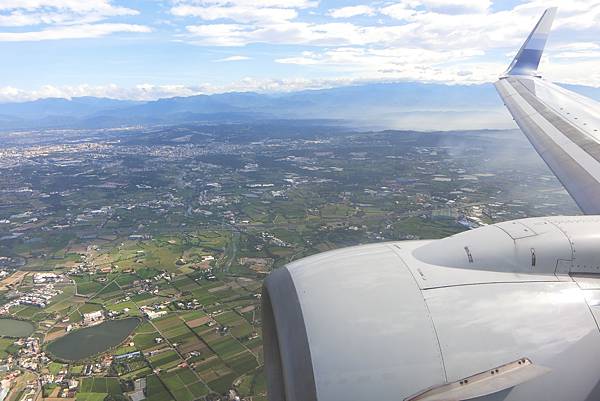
(285, 329)
(377, 327)
(485, 325)
(488, 382)
(495, 248)
(368, 326)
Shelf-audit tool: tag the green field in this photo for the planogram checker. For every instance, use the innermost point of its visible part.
(108, 385)
(165, 360)
(183, 384)
(81, 396)
(156, 390)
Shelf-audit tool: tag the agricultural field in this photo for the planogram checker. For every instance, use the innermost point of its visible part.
(156, 390)
(184, 384)
(179, 233)
(108, 385)
(165, 359)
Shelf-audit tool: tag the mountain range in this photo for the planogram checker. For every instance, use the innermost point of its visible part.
(381, 105)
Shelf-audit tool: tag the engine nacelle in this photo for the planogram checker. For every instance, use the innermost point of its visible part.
(394, 320)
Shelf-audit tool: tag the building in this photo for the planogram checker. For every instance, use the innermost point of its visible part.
(128, 355)
(153, 315)
(93, 317)
(41, 278)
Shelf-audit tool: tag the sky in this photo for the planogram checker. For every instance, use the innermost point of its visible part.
(148, 49)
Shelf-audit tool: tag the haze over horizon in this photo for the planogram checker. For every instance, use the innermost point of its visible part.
(128, 49)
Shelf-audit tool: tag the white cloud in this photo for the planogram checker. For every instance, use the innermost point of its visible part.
(406, 9)
(236, 13)
(454, 41)
(219, 34)
(463, 73)
(404, 63)
(457, 6)
(232, 58)
(306, 58)
(351, 11)
(425, 44)
(416, 27)
(434, 40)
(578, 55)
(78, 6)
(63, 19)
(152, 92)
(575, 50)
(576, 46)
(250, 3)
(72, 32)
(440, 24)
(48, 12)
(139, 92)
(299, 33)
(399, 11)
(243, 11)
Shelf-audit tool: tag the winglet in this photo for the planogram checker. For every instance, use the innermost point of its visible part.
(528, 58)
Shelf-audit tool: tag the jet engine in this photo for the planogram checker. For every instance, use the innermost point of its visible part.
(503, 312)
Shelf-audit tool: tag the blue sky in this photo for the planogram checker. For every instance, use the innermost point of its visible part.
(157, 48)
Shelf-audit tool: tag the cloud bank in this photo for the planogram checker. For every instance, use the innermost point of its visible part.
(39, 20)
(303, 44)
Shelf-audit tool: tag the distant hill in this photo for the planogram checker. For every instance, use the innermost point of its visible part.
(383, 105)
(76, 107)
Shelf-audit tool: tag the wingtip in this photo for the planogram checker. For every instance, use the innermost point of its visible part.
(550, 13)
(528, 58)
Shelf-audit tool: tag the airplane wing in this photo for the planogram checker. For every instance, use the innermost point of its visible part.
(562, 126)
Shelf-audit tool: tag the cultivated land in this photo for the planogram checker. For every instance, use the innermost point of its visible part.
(177, 226)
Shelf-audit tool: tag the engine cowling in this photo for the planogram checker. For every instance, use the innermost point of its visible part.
(391, 320)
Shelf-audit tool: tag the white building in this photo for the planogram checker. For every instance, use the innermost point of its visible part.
(92, 317)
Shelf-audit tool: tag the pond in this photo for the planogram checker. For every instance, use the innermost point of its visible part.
(15, 328)
(83, 343)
